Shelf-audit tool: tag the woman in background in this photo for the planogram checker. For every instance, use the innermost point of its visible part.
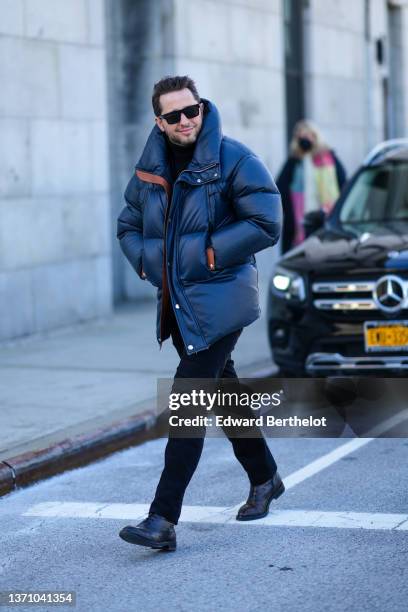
(310, 181)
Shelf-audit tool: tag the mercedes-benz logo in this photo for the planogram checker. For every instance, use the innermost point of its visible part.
(390, 293)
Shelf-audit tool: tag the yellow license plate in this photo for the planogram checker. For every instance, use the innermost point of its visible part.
(383, 336)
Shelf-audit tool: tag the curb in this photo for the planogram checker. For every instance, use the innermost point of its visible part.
(6, 479)
(47, 457)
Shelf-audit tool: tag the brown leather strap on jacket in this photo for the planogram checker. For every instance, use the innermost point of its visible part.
(210, 258)
(147, 177)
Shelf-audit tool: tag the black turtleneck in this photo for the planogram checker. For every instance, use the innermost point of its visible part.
(179, 157)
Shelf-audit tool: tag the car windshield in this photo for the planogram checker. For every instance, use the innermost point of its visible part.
(379, 194)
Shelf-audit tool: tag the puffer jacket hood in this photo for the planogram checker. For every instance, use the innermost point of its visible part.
(195, 240)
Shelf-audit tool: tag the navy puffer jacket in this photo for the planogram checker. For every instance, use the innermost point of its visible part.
(195, 240)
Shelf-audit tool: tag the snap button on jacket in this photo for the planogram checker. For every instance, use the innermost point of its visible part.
(195, 240)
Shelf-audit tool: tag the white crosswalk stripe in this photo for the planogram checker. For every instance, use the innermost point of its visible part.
(213, 514)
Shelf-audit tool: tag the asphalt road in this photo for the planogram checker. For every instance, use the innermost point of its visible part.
(220, 563)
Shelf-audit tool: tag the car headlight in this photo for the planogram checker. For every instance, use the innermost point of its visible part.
(288, 284)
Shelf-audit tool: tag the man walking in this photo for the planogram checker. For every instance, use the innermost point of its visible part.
(198, 207)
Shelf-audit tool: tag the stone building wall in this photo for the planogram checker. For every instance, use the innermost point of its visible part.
(55, 260)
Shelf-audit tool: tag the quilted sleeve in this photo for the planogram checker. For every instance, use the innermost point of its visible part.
(130, 227)
(257, 205)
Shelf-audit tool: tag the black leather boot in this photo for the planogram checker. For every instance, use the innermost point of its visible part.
(260, 496)
(154, 532)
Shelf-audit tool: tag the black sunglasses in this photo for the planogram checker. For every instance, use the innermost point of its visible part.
(175, 116)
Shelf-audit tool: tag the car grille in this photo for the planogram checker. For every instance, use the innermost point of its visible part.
(350, 296)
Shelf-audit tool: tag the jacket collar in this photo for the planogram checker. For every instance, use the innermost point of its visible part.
(154, 158)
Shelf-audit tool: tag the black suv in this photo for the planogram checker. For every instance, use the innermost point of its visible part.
(338, 303)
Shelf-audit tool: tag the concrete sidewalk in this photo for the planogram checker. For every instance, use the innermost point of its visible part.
(76, 394)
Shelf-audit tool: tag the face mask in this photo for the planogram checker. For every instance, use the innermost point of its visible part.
(305, 144)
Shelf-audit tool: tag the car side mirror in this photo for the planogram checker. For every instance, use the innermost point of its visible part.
(313, 221)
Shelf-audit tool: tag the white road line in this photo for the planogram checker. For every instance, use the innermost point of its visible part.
(345, 449)
(212, 514)
(325, 461)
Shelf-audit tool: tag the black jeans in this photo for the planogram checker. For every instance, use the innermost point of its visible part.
(183, 454)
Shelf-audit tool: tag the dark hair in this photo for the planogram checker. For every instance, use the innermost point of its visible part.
(172, 83)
